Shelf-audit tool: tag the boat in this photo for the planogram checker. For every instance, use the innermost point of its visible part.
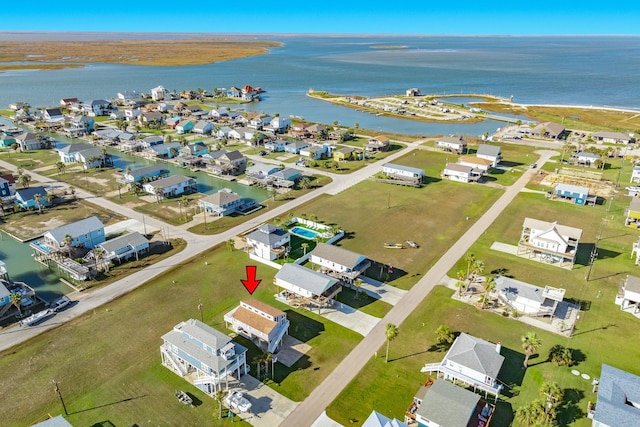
(412, 244)
(394, 245)
(236, 400)
(183, 397)
(37, 317)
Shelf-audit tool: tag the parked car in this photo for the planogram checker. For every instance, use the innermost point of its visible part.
(60, 303)
(533, 166)
(236, 400)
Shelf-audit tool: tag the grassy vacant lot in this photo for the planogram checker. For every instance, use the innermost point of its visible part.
(135, 52)
(416, 345)
(432, 216)
(30, 224)
(108, 362)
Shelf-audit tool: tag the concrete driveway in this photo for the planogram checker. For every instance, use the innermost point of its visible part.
(268, 407)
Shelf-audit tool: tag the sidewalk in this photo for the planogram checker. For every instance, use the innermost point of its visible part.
(351, 318)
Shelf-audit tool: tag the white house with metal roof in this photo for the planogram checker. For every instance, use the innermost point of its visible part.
(259, 322)
(268, 242)
(527, 298)
(549, 242)
(618, 402)
(472, 361)
(490, 152)
(613, 137)
(172, 185)
(304, 287)
(339, 262)
(226, 202)
(192, 346)
(454, 144)
(461, 173)
(628, 296)
(403, 172)
(124, 247)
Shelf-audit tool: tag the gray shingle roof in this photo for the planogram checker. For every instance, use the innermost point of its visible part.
(568, 188)
(512, 289)
(337, 254)
(477, 354)
(221, 198)
(617, 387)
(448, 405)
(267, 234)
(75, 229)
(416, 171)
(134, 240)
(170, 181)
(489, 150)
(310, 280)
(27, 194)
(148, 170)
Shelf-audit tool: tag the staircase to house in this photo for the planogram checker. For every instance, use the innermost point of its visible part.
(175, 363)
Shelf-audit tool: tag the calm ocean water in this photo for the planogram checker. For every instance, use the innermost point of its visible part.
(580, 70)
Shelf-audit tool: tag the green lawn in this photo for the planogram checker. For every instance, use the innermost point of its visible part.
(415, 346)
(108, 362)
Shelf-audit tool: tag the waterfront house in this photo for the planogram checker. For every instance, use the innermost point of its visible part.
(316, 151)
(275, 146)
(87, 155)
(124, 247)
(26, 197)
(613, 137)
(151, 140)
(203, 127)
(618, 400)
(226, 202)
(171, 186)
(632, 213)
(376, 419)
(261, 170)
(445, 404)
(403, 172)
(132, 114)
(412, 92)
(453, 144)
(223, 132)
(97, 107)
(628, 296)
(229, 163)
(278, 124)
(318, 131)
(165, 151)
(258, 120)
(339, 262)
(86, 233)
(288, 174)
(378, 143)
(7, 141)
(472, 361)
(300, 130)
(172, 122)
(68, 102)
(268, 242)
(195, 349)
(579, 195)
(146, 173)
(158, 93)
(6, 188)
(220, 113)
(296, 147)
(29, 141)
(549, 242)
(548, 130)
(587, 159)
(490, 152)
(461, 173)
(52, 115)
(195, 149)
(184, 126)
(250, 93)
(128, 95)
(306, 288)
(478, 164)
(266, 326)
(150, 117)
(83, 122)
(347, 153)
(234, 92)
(526, 298)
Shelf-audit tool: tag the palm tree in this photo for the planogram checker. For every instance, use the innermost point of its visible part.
(159, 192)
(305, 183)
(470, 259)
(461, 283)
(527, 415)
(304, 247)
(49, 198)
(477, 268)
(68, 240)
(444, 334)
(530, 343)
(267, 358)
(489, 286)
(136, 187)
(219, 397)
(231, 244)
(98, 256)
(391, 332)
(24, 179)
(38, 199)
(16, 299)
(60, 166)
(356, 284)
(553, 394)
(119, 185)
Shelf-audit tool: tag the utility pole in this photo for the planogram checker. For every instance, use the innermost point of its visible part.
(594, 251)
(200, 308)
(57, 390)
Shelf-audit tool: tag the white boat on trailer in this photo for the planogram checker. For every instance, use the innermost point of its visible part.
(37, 317)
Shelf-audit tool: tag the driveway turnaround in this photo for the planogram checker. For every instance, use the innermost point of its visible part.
(268, 407)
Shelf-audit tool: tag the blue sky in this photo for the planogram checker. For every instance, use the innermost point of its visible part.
(327, 17)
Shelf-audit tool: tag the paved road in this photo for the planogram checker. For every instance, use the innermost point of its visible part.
(314, 405)
(196, 244)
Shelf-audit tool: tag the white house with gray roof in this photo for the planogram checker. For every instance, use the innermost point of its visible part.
(403, 172)
(454, 144)
(490, 152)
(613, 137)
(268, 242)
(148, 172)
(447, 405)
(298, 281)
(376, 419)
(226, 202)
(461, 173)
(472, 361)
(618, 402)
(526, 298)
(88, 233)
(628, 296)
(124, 247)
(549, 242)
(587, 159)
(339, 262)
(203, 354)
(172, 185)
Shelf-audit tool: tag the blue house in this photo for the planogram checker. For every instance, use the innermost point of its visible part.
(166, 151)
(276, 146)
(5, 188)
(88, 233)
(195, 149)
(193, 347)
(5, 295)
(579, 195)
(25, 197)
(295, 147)
(148, 172)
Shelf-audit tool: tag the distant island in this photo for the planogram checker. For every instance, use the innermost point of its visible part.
(47, 55)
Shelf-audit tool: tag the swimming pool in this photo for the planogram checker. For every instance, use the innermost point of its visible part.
(303, 232)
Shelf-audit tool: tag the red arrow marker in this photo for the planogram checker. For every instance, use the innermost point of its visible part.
(251, 283)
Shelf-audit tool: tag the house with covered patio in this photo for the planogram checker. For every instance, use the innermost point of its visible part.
(259, 322)
(124, 247)
(628, 296)
(203, 355)
(171, 186)
(226, 202)
(268, 242)
(339, 262)
(549, 242)
(527, 298)
(302, 287)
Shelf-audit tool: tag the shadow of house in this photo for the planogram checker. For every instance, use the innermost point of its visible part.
(303, 327)
(511, 373)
